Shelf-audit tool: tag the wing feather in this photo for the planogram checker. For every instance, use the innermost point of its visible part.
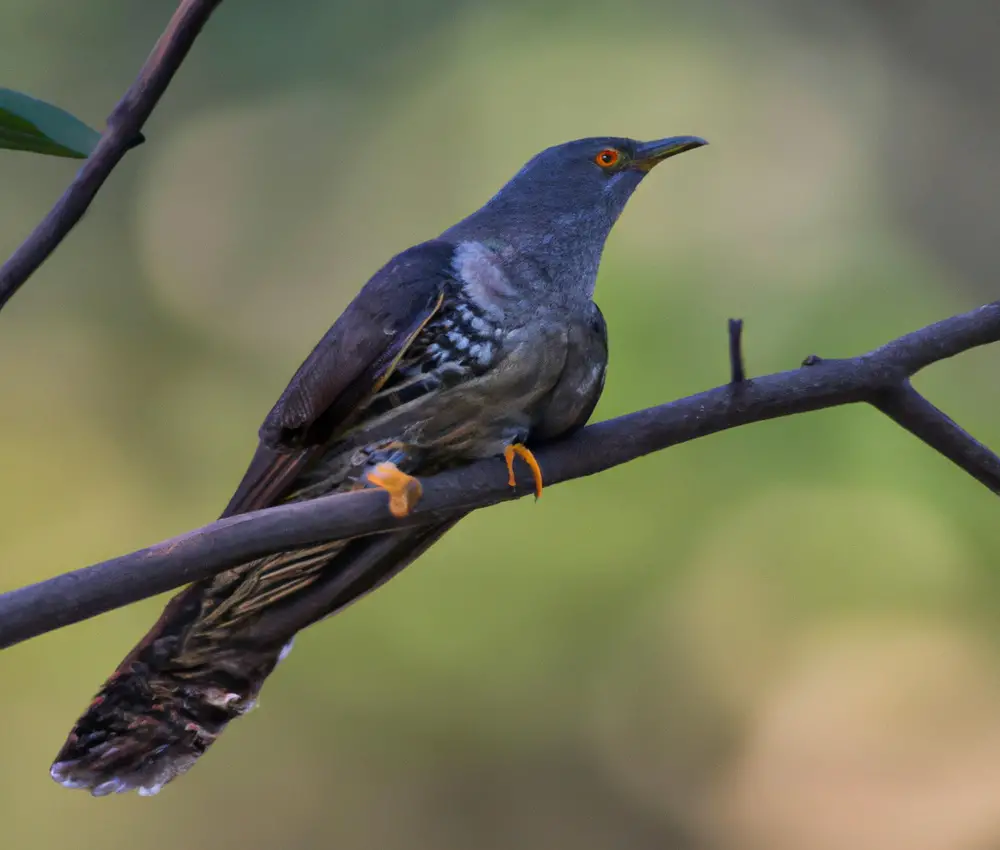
(352, 361)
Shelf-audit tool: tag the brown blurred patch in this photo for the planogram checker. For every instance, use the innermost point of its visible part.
(886, 737)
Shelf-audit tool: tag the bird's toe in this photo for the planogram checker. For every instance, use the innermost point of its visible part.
(404, 490)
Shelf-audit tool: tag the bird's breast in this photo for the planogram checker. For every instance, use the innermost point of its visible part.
(476, 376)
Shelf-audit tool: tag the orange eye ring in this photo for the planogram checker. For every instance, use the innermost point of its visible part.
(608, 158)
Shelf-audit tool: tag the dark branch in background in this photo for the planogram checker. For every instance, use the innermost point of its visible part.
(122, 133)
(880, 378)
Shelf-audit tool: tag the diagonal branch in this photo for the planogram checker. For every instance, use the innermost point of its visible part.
(880, 378)
(910, 410)
(121, 134)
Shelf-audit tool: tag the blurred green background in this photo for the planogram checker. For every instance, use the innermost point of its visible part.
(784, 636)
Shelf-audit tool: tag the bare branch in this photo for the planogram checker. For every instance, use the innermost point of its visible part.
(880, 378)
(122, 133)
(907, 408)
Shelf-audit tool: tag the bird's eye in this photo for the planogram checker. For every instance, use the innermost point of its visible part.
(607, 158)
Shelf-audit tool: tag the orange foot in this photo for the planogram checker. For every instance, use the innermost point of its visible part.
(517, 450)
(404, 490)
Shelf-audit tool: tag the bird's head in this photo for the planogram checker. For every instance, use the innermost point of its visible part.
(593, 176)
(559, 208)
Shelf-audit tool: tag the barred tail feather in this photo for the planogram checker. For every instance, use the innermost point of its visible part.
(203, 665)
(145, 728)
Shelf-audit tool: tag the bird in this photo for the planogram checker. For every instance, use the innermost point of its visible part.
(479, 343)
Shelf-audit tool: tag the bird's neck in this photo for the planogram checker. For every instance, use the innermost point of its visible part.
(556, 257)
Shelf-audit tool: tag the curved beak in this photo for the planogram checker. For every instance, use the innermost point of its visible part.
(649, 154)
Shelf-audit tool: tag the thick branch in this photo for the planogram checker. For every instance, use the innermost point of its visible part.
(122, 131)
(880, 378)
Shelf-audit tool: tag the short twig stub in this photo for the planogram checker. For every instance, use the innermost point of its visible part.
(737, 372)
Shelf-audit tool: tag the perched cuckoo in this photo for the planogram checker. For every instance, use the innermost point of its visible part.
(472, 345)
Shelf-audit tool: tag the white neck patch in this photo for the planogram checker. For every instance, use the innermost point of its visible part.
(484, 280)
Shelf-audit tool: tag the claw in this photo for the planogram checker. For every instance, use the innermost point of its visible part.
(404, 490)
(518, 450)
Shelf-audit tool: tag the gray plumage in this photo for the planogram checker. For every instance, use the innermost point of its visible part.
(459, 348)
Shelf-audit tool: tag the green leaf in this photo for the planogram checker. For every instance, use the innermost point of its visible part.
(27, 124)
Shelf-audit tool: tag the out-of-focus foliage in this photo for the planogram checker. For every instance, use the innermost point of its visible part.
(29, 124)
(783, 636)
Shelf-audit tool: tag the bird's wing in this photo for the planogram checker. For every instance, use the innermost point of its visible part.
(350, 363)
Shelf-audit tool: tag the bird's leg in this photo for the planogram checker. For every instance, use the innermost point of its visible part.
(382, 469)
(522, 451)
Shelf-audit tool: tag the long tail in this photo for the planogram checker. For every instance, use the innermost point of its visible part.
(206, 659)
